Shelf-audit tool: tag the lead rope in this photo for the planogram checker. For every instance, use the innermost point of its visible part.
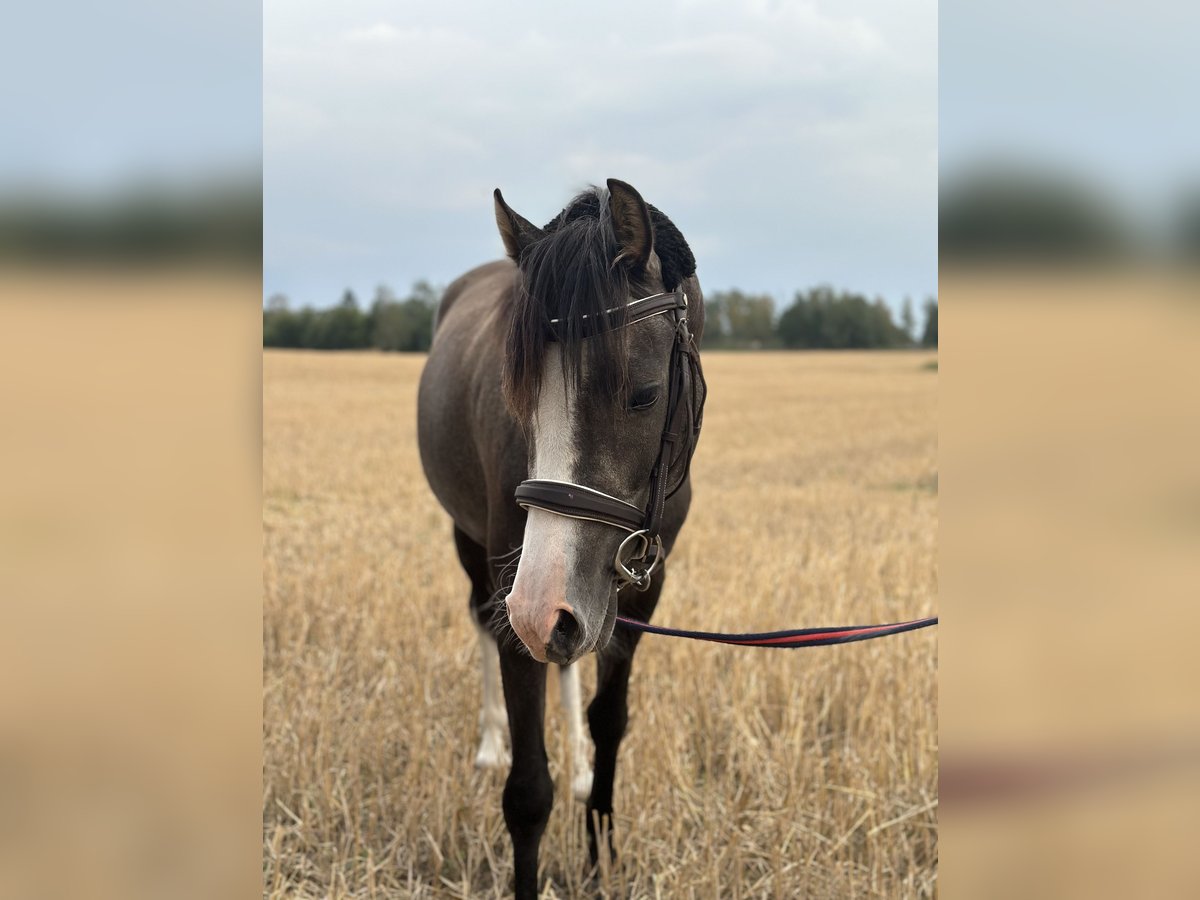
(802, 637)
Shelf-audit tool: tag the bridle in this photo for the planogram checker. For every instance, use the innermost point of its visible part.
(641, 552)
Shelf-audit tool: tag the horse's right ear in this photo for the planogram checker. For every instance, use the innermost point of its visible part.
(516, 231)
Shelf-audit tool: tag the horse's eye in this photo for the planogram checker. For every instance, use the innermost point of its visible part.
(644, 397)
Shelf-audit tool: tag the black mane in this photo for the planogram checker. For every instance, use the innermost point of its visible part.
(673, 251)
(568, 275)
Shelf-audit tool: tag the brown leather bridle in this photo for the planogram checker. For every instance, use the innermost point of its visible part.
(641, 552)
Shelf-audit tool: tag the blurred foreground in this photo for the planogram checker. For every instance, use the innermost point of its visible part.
(1069, 575)
(129, 578)
(1069, 434)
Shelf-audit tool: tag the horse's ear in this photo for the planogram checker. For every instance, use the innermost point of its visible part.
(516, 231)
(631, 224)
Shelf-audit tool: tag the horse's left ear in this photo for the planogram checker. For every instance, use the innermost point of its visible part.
(631, 224)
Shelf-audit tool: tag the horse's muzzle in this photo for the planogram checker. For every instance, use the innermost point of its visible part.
(551, 631)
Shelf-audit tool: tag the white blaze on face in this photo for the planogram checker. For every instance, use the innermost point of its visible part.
(540, 587)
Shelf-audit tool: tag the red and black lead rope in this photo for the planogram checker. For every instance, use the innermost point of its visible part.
(801, 637)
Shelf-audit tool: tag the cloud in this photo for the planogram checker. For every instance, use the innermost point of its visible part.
(768, 128)
(379, 33)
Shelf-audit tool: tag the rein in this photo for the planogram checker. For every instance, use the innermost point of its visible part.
(801, 637)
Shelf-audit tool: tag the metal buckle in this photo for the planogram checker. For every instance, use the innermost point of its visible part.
(639, 577)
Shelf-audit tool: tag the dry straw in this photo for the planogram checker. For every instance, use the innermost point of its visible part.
(746, 773)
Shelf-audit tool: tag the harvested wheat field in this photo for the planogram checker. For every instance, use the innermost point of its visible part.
(745, 772)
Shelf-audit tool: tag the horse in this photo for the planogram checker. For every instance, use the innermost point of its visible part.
(557, 414)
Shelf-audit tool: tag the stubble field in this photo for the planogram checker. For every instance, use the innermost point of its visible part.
(745, 772)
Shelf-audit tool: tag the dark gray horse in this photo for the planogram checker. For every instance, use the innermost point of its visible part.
(543, 372)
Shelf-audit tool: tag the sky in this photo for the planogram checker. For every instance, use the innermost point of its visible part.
(793, 143)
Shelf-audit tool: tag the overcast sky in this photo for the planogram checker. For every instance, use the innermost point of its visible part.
(792, 142)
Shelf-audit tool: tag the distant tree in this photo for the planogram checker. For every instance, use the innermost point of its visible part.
(803, 323)
(823, 318)
(313, 335)
(425, 293)
(929, 337)
(716, 325)
(742, 320)
(281, 327)
(384, 295)
(405, 325)
(303, 325)
(848, 323)
(344, 327)
(908, 321)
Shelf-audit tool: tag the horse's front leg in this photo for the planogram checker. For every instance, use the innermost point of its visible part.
(529, 791)
(572, 705)
(608, 715)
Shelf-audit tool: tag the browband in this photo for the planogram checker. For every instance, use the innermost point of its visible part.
(635, 311)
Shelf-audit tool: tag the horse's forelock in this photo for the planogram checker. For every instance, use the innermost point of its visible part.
(567, 275)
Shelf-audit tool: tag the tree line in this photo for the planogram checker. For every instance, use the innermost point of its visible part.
(390, 323)
(819, 318)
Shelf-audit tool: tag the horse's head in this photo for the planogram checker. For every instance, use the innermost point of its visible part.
(591, 388)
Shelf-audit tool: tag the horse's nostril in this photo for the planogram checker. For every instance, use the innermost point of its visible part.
(564, 639)
(567, 628)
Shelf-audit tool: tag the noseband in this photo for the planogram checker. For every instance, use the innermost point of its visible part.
(641, 552)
